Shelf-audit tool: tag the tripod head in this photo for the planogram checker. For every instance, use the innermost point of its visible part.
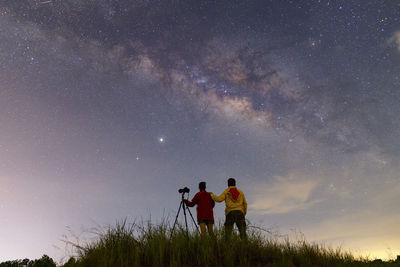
(183, 191)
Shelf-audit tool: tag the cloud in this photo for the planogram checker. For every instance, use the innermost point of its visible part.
(284, 195)
(370, 231)
(367, 219)
(395, 39)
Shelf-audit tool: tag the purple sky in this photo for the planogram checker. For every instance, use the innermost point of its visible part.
(298, 101)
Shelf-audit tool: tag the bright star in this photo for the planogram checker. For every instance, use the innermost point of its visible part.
(161, 139)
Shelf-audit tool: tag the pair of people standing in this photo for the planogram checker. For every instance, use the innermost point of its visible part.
(235, 208)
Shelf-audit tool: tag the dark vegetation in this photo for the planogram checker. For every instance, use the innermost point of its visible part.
(44, 261)
(137, 245)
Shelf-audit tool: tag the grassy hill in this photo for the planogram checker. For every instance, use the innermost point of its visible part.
(149, 245)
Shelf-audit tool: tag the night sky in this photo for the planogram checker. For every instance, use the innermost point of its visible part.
(107, 108)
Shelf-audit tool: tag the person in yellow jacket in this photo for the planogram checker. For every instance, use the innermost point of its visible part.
(235, 208)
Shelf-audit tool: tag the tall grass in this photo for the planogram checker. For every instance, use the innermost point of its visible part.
(149, 245)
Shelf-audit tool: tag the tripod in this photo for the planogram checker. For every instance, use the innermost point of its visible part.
(184, 207)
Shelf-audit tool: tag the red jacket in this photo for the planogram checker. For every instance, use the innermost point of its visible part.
(205, 205)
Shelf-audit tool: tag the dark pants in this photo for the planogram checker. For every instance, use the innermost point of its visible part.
(237, 217)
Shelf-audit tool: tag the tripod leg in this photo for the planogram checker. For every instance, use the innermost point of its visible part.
(176, 218)
(194, 222)
(184, 212)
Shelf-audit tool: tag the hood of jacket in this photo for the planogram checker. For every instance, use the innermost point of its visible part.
(234, 193)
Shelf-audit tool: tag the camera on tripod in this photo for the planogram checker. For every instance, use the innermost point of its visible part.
(184, 207)
(184, 190)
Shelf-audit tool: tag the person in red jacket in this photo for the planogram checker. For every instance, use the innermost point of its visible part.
(204, 208)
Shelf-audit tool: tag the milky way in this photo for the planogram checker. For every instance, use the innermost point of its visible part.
(108, 107)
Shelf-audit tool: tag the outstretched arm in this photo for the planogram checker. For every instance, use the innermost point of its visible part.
(219, 198)
(193, 202)
(212, 201)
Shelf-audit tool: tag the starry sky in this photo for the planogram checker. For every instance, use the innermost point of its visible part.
(107, 108)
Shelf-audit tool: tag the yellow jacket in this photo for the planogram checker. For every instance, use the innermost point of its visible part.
(234, 199)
